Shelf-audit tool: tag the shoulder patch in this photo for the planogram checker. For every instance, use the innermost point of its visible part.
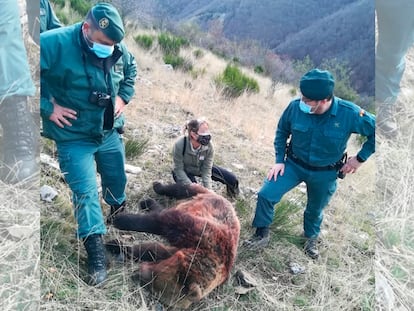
(361, 112)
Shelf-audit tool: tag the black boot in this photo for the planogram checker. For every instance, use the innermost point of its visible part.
(233, 190)
(19, 142)
(96, 259)
(115, 210)
(259, 240)
(311, 248)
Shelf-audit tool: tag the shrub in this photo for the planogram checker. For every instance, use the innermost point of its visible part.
(178, 62)
(345, 91)
(183, 41)
(144, 41)
(171, 45)
(234, 82)
(62, 17)
(195, 73)
(80, 6)
(258, 69)
(198, 53)
(60, 3)
(341, 73)
(286, 219)
(134, 148)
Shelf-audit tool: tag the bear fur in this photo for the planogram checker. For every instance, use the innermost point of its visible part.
(202, 234)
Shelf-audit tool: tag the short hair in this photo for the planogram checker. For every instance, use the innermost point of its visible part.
(91, 21)
(194, 124)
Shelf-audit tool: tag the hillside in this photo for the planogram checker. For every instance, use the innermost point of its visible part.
(367, 238)
(320, 29)
(243, 131)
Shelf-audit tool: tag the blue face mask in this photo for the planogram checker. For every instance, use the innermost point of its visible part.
(304, 107)
(307, 108)
(102, 50)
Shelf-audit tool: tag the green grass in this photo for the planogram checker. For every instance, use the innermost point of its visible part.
(391, 238)
(234, 83)
(177, 61)
(59, 3)
(134, 148)
(198, 53)
(259, 69)
(400, 273)
(332, 283)
(300, 301)
(170, 45)
(287, 217)
(62, 17)
(81, 6)
(242, 207)
(144, 41)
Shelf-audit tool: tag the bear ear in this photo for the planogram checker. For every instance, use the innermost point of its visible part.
(194, 292)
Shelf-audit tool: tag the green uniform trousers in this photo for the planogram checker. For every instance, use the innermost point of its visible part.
(320, 185)
(395, 37)
(77, 161)
(15, 76)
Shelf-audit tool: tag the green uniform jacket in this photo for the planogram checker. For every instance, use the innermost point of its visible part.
(321, 140)
(48, 19)
(195, 162)
(70, 72)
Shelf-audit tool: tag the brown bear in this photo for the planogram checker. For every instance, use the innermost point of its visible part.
(202, 233)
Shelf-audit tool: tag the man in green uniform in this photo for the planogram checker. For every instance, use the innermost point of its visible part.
(87, 78)
(318, 126)
(40, 18)
(19, 141)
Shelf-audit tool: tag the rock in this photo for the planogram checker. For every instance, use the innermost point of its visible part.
(47, 193)
(385, 293)
(17, 232)
(172, 131)
(245, 279)
(242, 290)
(132, 169)
(49, 161)
(295, 268)
(238, 166)
(168, 67)
(302, 187)
(144, 81)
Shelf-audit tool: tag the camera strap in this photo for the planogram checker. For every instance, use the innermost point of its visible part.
(108, 119)
(109, 110)
(185, 144)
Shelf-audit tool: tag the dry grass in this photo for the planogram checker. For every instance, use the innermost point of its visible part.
(19, 244)
(347, 276)
(394, 263)
(19, 227)
(243, 131)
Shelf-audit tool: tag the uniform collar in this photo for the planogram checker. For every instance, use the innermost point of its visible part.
(334, 106)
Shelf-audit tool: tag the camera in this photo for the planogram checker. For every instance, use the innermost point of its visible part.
(100, 99)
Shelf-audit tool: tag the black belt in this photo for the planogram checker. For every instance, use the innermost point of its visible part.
(331, 167)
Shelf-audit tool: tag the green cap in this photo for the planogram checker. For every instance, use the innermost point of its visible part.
(107, 19)
(317, 84)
